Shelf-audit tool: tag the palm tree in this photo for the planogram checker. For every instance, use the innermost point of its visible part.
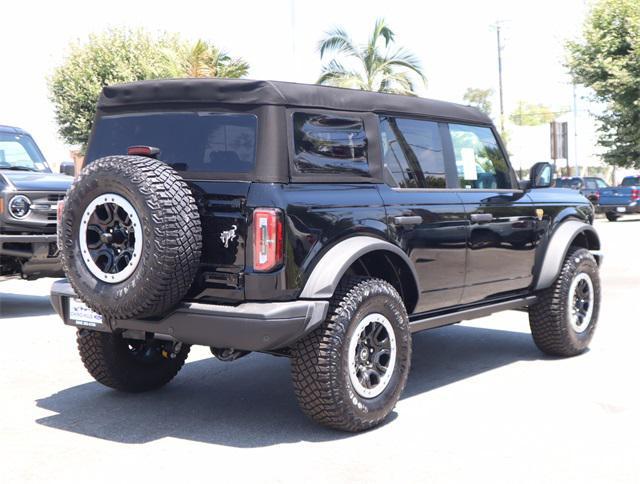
(375, 66)
(206, 60)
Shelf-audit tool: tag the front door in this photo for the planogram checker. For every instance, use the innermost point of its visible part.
(502, 220)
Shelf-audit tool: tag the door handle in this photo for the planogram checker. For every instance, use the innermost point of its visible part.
(481, 217)
(411, 220)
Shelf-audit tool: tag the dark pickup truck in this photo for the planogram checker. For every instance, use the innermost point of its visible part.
(621, 200)
(29, 195)
(321, 224)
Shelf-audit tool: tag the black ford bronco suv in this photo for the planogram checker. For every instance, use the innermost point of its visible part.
(322, 224)
(29, 195)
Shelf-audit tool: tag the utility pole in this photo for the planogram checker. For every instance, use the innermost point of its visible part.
(498, 26)
(575, 131)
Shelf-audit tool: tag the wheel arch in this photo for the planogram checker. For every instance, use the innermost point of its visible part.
(364, 255)
(569, 233)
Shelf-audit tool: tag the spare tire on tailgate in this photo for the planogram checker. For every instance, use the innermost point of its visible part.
(130, 237)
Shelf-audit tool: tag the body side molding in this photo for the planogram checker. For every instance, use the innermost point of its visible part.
(326, 275)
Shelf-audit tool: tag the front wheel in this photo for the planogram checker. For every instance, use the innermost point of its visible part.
(130, 365)
(565, 315)
(348, 374)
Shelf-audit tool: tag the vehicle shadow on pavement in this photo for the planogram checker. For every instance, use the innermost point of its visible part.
(250, 403)
(22, 305)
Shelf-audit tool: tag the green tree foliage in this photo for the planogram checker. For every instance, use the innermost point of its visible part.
(121, 55)
(206, 60)
(479, 98)
(375, 66)
(529, 114)
(607, 60)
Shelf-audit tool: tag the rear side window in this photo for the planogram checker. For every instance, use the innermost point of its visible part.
(189, 141)
(479, 160)
(326, 144)
(412, 152)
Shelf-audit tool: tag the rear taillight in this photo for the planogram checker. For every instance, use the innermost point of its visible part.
(635, 194)
(267, 239)
(59, 210)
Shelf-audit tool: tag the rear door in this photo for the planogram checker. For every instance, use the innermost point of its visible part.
(425, 218)
(501, 218)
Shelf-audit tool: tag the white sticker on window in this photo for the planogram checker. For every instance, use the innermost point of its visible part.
(469, 163)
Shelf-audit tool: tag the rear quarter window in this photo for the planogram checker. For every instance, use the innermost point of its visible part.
(192, 142)
(329, 144)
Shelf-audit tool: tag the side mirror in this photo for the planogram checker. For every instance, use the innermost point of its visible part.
(541, 175)
(68, 168)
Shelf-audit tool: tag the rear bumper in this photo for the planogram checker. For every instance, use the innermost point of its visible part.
(248, 326)
(633, 207)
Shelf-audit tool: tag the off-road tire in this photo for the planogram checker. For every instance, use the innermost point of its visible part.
(171, 233)
(612, 217)
(109, 361)
(549, 316)
(319, 361)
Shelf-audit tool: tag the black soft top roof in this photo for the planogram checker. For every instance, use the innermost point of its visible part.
(250, 92)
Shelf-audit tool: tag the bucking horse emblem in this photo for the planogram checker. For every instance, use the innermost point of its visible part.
(228, 235)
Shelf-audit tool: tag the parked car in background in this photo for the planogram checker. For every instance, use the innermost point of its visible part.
(620, 200)
(29, 195)
(589, 186)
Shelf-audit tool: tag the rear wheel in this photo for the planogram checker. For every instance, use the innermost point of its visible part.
(612, 216)
(564, 318)
(130, 365)
(349, 373)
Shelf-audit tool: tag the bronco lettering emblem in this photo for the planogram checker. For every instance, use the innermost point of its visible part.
(228, 235)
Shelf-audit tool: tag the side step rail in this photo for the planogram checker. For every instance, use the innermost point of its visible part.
(435, 321)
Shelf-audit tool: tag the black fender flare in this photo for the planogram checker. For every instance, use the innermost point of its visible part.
(558, 246)
(326, 275)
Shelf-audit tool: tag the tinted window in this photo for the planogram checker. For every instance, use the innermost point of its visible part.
(590, 183)
(329, 144)
(601, 183)
(412, 152)
(479, 159)
(574, 183)
(191, 142)
(630, 181)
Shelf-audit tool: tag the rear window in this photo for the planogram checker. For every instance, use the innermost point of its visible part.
(327, 144)
(630, 181)
(568, 183)
(193, 142)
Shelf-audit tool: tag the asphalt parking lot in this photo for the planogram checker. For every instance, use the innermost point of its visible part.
(482, 404)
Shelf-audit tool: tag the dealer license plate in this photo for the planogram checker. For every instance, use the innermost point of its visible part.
(621, 209)
(82, 315)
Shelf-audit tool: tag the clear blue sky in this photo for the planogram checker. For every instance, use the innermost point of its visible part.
(454, 41)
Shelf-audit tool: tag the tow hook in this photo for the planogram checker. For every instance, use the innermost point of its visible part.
(174, 350)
